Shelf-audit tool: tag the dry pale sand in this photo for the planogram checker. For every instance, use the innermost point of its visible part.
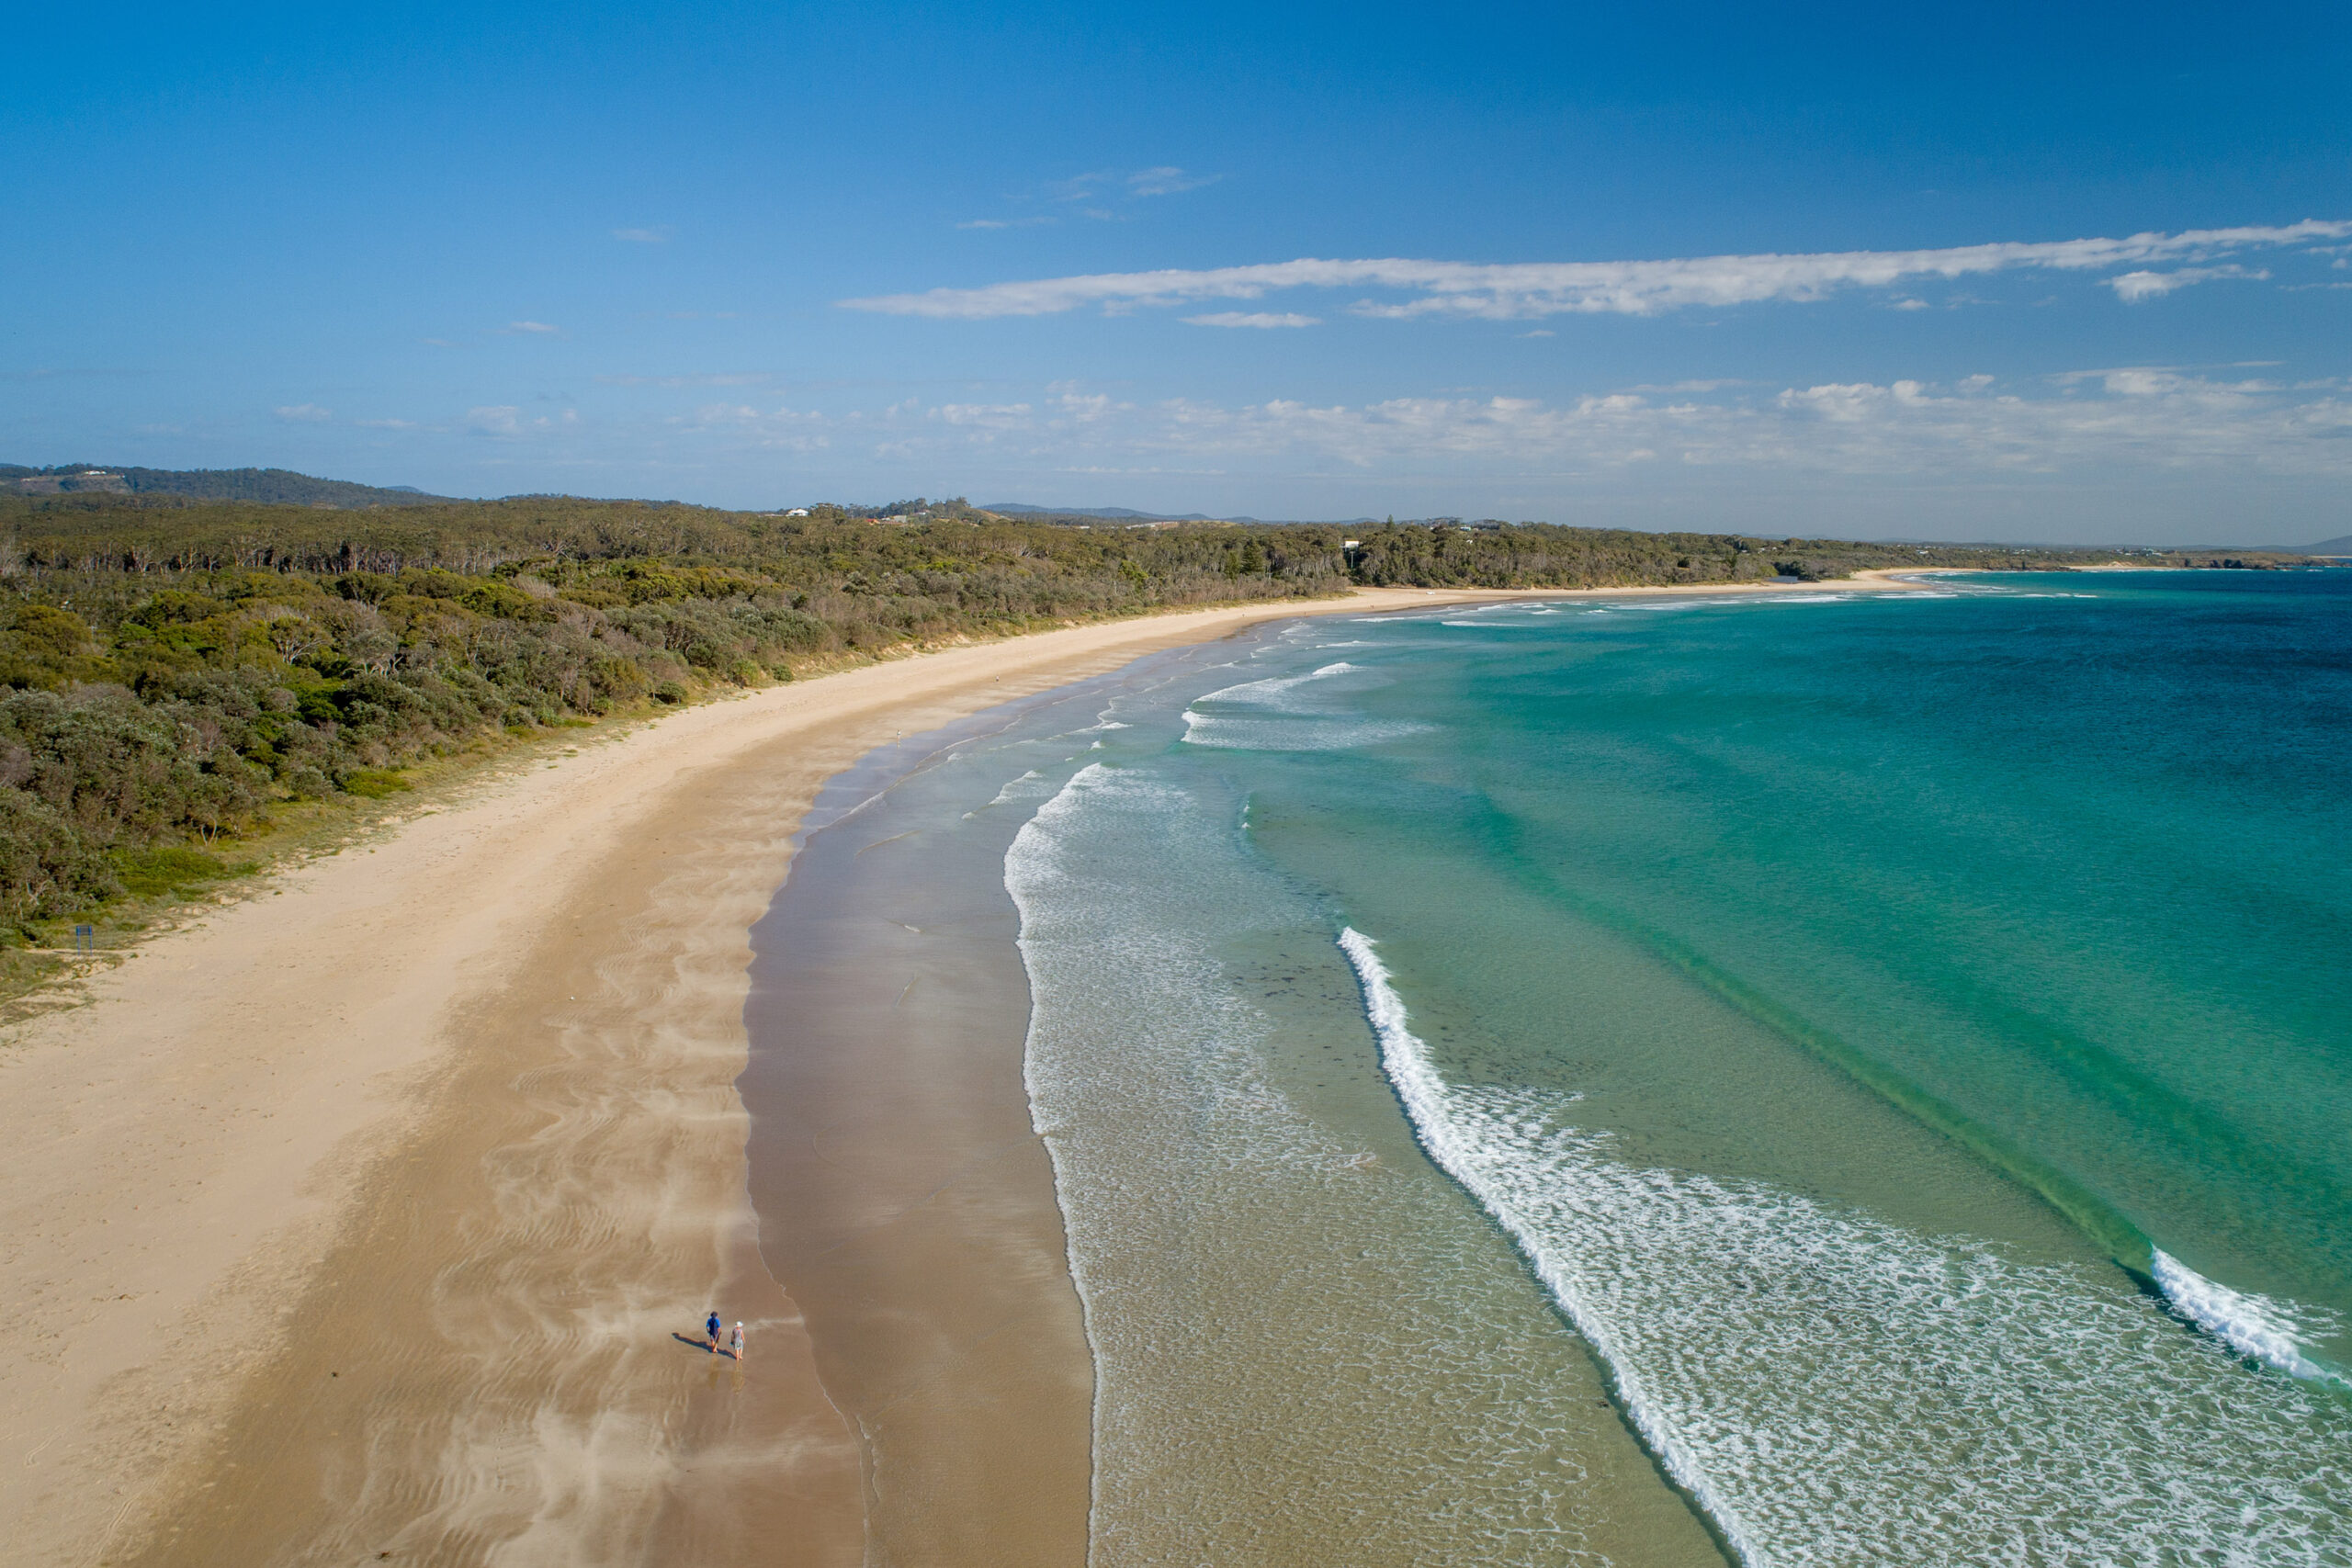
(360, 1222)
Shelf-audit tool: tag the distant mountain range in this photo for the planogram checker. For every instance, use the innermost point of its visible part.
(2342, 547)
(278, 485)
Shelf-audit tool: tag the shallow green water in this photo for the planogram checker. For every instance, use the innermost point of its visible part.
(1900, 1043)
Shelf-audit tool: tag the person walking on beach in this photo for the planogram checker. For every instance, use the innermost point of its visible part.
(735, 1343)
(711, 1328)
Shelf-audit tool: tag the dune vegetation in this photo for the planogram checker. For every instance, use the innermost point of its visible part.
(173, 671)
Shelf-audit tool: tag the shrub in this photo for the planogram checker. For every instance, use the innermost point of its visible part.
(174, 869)
(374, 783)
(46, 869)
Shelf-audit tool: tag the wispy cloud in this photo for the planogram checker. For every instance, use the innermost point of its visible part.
(1516, 290)
(1167, 180)
(505, 421)
(784, 429)
(2134, 286)
(1100, 194)
(303, 414)
(2143, 420)
(643, 236)
(540, 327)
(385, 424)
(738, 379)
(1252, 319)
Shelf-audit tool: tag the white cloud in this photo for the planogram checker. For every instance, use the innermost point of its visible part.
(2134, 286)
(643, 236)
(2140, 421)
(531, 327)
(1252, 319)
(1514, 290)
(505, 421)
(985, 416)
(386, 424)
(787, 429)
(303, 414)
(2146, 420)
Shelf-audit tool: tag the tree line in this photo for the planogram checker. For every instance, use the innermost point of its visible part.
(172, 670)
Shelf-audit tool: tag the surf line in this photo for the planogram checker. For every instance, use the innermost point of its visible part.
(1405, 1057)
(2257, 1327)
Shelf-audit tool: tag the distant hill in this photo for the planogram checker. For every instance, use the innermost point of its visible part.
(278, 485)
(1126, 515)
(1114, 513)
(2342, 547)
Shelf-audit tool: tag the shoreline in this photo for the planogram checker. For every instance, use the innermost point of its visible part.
(359, 1216)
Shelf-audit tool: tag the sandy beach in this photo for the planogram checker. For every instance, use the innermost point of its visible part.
(369, 1219)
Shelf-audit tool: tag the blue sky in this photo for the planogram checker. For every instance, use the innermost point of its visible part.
(1985, 273)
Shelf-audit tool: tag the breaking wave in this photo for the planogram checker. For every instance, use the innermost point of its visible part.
(1831, 1388)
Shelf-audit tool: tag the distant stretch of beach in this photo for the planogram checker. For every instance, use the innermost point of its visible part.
(379, 1212)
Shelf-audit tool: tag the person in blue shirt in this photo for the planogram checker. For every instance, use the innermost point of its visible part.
(711, 1328)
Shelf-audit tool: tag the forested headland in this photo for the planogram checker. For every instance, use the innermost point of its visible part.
(173, 671)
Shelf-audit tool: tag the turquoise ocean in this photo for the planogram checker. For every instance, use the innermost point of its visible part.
(1821, 1078)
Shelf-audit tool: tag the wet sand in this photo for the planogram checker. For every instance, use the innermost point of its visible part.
(902, 1189)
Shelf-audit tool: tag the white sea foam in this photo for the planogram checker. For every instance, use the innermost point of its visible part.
(1295, 734)
(1835, 1388)
(1304, 1351)
(1031, 786)
(2253, 1325)
(1275, 692)
(1293, 713)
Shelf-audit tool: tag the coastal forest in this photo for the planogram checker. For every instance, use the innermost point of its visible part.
(175, 670)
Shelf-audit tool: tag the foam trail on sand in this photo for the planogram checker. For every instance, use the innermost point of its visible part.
(1832, 1388)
